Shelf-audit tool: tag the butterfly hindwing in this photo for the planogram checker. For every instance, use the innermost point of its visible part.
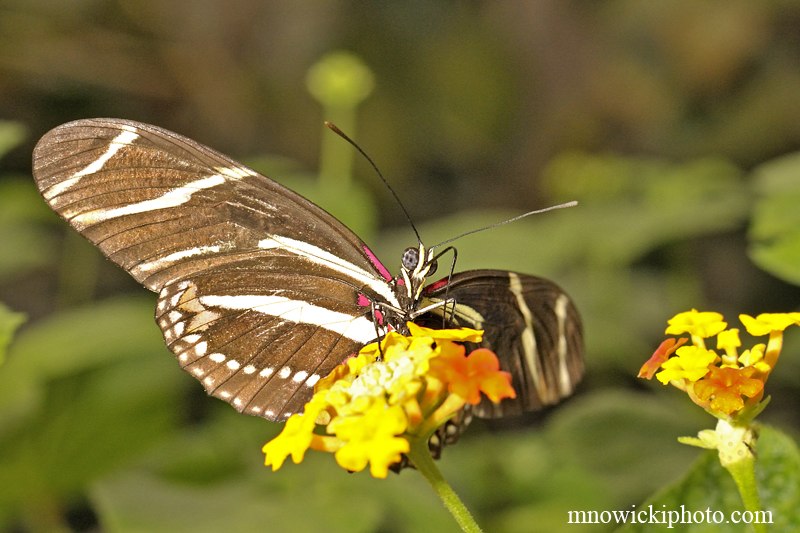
(529, 322)
(261, 341)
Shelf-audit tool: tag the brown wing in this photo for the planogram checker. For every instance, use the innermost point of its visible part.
(529, 322)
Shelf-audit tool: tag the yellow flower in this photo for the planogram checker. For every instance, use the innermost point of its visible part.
(375, 405)
(728, 385)
(755, 357)
(295, 438)
(373, 437)
(771, 324)
(690, 364)
(766, 323)
(696, 323)
(728, 340)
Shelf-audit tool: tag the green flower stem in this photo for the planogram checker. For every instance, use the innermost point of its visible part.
(735, 444)
(744, 475)
(421, 458)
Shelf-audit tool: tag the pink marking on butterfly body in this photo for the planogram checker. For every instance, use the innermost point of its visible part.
(363, 301)
(377, 264)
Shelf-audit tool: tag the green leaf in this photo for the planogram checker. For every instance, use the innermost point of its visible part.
(540, 244)
(627, 208)
(82, 393)
(775, 228)
(9, 322)
(708, 485)
(11, 135)
(590, 454)
(234, 491)
(27, 243)
(74, 341)
(630, 206)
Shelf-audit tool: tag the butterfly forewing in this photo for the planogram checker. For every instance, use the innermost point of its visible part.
(223, 245)
(162, 206)
(529, 322)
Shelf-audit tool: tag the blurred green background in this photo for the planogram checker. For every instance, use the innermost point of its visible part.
(675, 124)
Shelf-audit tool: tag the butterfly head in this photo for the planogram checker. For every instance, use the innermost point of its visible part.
(416, 265)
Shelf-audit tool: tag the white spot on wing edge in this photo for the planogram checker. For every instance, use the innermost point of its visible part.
(127, 136)
(233, 365)
(169, 335)
(310, 382)
(175, 298)
(300, 376)
(284, 372)
(217, 357)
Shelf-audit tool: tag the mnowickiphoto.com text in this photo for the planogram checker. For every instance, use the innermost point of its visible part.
(668, 517)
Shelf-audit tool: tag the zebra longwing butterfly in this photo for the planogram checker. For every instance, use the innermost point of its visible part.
(261, 292)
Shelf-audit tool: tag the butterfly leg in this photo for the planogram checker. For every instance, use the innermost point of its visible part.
(447, 285)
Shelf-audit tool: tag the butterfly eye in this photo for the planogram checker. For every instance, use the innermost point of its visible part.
(410, 258)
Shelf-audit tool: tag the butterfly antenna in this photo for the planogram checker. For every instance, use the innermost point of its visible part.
(331, 126)
(573, 203)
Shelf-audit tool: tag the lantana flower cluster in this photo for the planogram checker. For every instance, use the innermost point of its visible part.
(376, 404)
(727, 383)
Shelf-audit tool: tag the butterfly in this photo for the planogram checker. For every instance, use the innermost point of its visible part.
(261, 292)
